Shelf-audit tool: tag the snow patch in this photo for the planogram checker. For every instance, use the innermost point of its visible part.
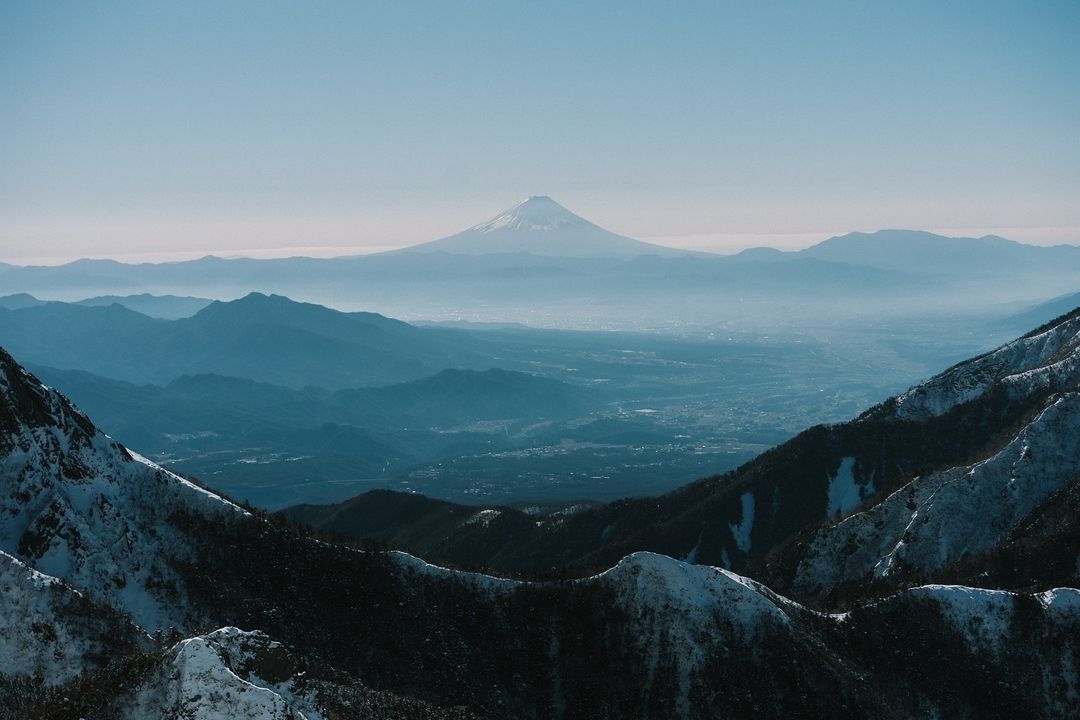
(483, 518)
(844, 492)
(1065, 601)
(691, 556)
(741, 531)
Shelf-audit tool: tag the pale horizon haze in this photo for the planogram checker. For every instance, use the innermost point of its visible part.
(154, 131)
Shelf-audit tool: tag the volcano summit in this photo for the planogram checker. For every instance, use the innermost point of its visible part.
(540, 226)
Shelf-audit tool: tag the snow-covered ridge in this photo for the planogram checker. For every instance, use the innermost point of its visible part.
(985, 617)
(982, 616)
(690, 609)
(224, 674)
(1025, 364)
(936, 519)
(48, 629)
(74, 504)
(210, 497)
(478, 581)
(12, 567)
(648, 581)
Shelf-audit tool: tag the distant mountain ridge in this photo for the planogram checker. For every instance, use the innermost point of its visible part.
(312, 439)
(266, 338)
(19, 301)
(917, 251)
(546, 266)
(166, 307)
(1041, 313)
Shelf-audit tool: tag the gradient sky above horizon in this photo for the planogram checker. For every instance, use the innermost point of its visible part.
(172, 130)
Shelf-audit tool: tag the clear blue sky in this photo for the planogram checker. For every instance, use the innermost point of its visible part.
(175, 129)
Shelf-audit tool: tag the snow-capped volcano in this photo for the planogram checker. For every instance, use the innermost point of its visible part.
(536, 213)
(540, 226)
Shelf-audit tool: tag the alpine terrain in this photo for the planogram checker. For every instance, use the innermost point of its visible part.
(921, 559)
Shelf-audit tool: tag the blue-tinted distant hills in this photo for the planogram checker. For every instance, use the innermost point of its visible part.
(266, 338)
(1041, 313)
(540, 264)
(924, 253)
(19, 301)
(166, 307)
(275, 445)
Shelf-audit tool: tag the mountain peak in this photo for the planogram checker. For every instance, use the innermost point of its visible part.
(540, 226)
(534, 213)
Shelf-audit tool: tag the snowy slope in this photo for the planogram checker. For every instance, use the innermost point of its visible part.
(939, 518)
(684, 618)
(994, 629)
(1049, 358)
(222, 675)
(51, 631)
(540, 226)
(646, 582)
(685, 614)
(76, 505)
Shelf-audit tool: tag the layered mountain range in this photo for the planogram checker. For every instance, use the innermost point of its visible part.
(281, 402)
(933, 483)
(129, 591)
(541, 264)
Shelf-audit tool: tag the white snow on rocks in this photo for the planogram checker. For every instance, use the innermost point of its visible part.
(217, 677)
(937, 519)
(483, 518)
(76, 505)
(982, 616)
(1051, 356)
(645, 579)
(536, 213)
(46, 629)
(26, 603)
(480, 581)
(685, 611)
(844, 492)
(740, 531)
